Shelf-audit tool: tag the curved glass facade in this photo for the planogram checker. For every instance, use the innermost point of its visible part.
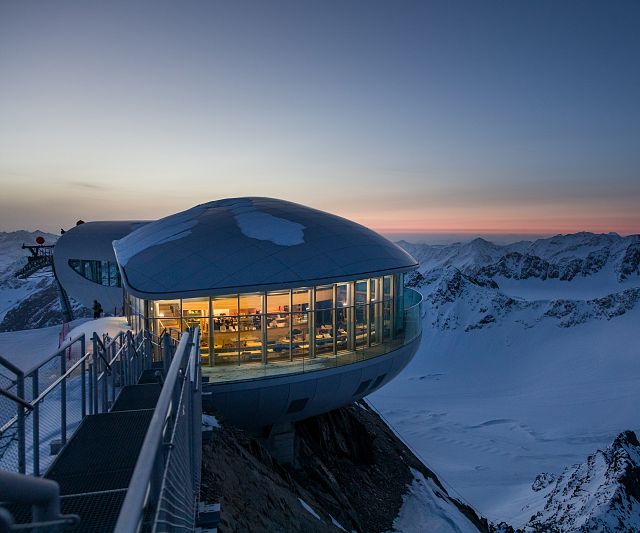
(101, 272)
(244, 336)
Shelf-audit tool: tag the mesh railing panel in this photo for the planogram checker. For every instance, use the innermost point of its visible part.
(176, 505)
(56, 413)
(8, 439)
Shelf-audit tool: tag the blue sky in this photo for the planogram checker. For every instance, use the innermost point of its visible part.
(508, 117)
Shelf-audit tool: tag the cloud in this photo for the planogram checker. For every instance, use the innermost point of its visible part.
(88, 185)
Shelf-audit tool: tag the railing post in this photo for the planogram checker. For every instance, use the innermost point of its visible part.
(113, 372)
(147, 349)
(36, 422)
(83, 384)
(131, 354)
(94, 374)
(166, 353)
(63, 399)
(123, 360)
(22, 462)
(105, 382)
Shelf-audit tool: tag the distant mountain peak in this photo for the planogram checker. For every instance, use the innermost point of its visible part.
(602, 494)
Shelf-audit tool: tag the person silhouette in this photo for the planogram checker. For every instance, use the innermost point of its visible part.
(97, 309)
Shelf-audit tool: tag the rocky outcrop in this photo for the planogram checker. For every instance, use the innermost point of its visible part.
(600, 495)
(351, 471)
(40, 309)
(630, 263)
(516, 265)
(460, 300)
(573, 312)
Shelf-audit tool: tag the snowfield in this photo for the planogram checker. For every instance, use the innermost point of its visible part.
(511, 383)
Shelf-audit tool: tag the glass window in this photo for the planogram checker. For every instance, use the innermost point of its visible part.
(278, 302)
(250, 338)
(193, 312)
(114, 275)
(102, 272)
(343, 327)
(324, 319)
(386, 292)
(300, 300)
(225, 305)
(250, 304)
(374, 290)
(167, 312)
(299, 335)
(375, 310)
(398, 302)
(343, 294)
(225, 340)
(278, 337)
(344, 316)
(195, 307)
(167, 308)
(203, 324)
(361, 312)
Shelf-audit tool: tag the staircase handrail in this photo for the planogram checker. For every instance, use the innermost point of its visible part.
(132, 511)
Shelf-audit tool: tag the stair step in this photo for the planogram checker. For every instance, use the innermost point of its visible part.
(135, 397)
(97, 511)
(149, 376)
(102, 454)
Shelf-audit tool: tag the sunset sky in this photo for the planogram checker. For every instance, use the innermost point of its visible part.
(409, 117)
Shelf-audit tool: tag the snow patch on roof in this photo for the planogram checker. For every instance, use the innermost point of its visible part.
(265, 227)
(171, 228)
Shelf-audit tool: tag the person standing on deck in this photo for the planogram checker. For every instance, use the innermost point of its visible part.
(97, 309)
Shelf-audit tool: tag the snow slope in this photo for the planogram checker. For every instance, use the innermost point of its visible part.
(33, 302)
(511, 383)
(601, 494)
(424, 508)
(12, 257)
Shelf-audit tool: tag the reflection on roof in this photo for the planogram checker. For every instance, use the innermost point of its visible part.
(246, 244)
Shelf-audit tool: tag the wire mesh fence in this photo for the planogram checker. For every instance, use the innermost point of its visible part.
(41, 408)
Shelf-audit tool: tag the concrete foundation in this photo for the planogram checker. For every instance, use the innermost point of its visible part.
(280, 442)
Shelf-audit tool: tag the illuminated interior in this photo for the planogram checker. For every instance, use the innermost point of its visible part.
(284, 327)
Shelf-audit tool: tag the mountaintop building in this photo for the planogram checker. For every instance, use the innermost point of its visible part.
(300, 311)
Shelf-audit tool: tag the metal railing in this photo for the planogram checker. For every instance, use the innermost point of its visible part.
(41, 407)
(165, 483)
(42, 495)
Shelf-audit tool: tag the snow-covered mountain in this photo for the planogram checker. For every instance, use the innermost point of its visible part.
(529, 363)
(27, 303)
(562, 257)
(602, 494)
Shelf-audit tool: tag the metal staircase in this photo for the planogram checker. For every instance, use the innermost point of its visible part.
(134, 431)
(41, 257)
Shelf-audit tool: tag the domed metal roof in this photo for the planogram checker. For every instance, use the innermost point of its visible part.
(250, 244)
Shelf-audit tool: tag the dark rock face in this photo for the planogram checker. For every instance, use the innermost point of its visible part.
(516, 265)
(351, 469)
(630, 263)
(453, 283)
(572, 312)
